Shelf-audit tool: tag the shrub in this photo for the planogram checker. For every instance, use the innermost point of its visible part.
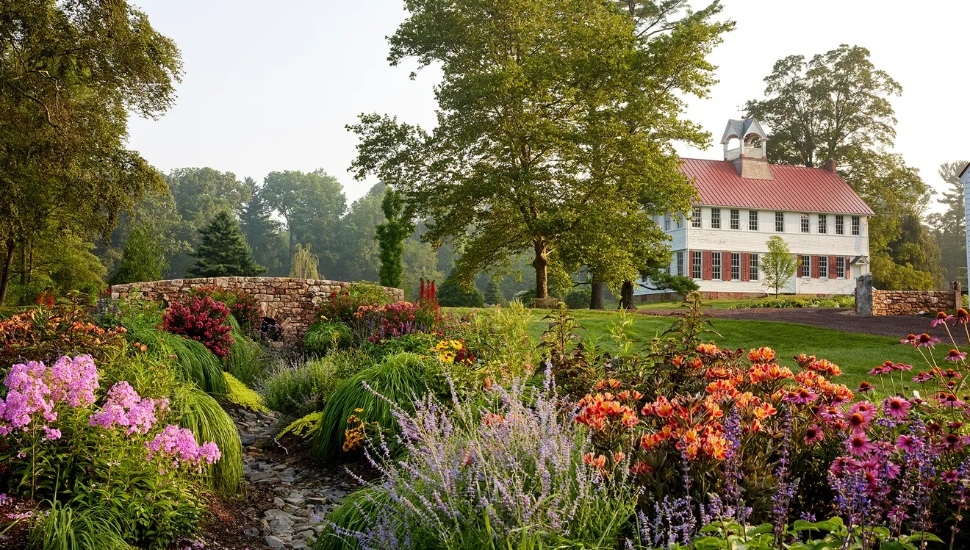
(196, 363)
(43, 333)
(324, 336)
(343, 304)
(296, 391)
(240, 394)
(378, 323)
(243, 306)
(399, 378)
(485, 478)
(203, 320)
(579, 298)
(453, 294)
(800, 302)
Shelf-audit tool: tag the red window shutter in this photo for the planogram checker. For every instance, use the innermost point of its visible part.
(832, 267)
(745, 267)
(707, 265)
(726, 266)
(815, 267)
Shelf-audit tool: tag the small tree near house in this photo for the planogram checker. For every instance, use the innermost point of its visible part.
(778, 265)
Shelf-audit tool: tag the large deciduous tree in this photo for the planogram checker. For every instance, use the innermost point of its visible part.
(70, 72)
(312, 204)
(548, 112)
(836, 106)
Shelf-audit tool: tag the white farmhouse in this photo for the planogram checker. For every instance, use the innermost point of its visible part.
(744, 201)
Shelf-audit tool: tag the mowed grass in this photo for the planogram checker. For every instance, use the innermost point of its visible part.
(855, 353)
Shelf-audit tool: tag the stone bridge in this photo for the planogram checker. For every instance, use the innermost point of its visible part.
(290, 302)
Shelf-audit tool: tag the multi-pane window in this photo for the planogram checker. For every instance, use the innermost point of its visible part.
(716, 266)
(839, 224)
(753, 268)
(678, 221)
(667, 222)
(680, 263)
(779, 221)
(840, 267)
(735, 218)
(715, 218)
(696, 270)
(805, 267)
(753, 220)
(735, 266)
(855, 225)
(823, 267)
(805, 223)
(695, 217)
(823, 223)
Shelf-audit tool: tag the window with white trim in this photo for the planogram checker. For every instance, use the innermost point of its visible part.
(735, 266)
(839, 224)
(805, 267)
(680, 263)
(666, 222)
(823, 267)
(735, 218)
(805, 226)
(753, 220)
(823, 223)
(840, 267)
(753, 269)
(696, 265)
(716, 266)
(856, 225)
(715, 218)
(779, 222)
(695, 217)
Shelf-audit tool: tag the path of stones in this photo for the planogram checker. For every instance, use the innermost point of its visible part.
(300, 496)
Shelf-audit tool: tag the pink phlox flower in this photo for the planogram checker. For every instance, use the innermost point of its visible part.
(51, 433)
(74, 380)
(124, 407)
(180, 446)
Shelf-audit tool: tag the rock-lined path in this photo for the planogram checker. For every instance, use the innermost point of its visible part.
(295, 498)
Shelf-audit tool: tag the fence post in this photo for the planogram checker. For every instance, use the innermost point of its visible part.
(957, 294)
(863, 295)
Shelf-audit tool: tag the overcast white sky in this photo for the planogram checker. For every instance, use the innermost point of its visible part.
(270, 85)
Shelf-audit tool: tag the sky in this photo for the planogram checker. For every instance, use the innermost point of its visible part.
(270, 86)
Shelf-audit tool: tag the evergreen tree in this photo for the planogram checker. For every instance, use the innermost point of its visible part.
(949, 227)
(390, 236)
(263, 233)
(452, 293)
(493, 293)
(223, 251)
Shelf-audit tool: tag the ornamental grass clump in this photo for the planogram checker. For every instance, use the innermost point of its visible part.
(485, 473)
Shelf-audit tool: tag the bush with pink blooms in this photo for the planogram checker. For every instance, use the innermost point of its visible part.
(68, 443)
(202, 319)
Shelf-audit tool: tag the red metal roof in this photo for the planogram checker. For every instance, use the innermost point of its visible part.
(794, 188)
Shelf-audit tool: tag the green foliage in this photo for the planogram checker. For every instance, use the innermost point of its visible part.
(304, 264)
(202, 414)
(297, 390)
(800, 302)
(594, 101)
(352, 514)
(391, 235)
(359, 251)
(194, 361)
(324, 336)
(578, 298)
(142, 260)
(263, 233)
(452, 293)
(778, 266)
(67, 527)
(242, 395)
(222, 251)
(304, 427)
(246, 359)
(312, 205)
(493, 293)
(661, 279)
(73, 72)
(400, 379)
(949, 226)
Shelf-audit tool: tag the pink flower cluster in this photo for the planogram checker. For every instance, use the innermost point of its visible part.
(34, 391)
(179, 444)
(124, 407)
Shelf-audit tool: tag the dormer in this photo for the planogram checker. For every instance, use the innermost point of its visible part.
(746, 145)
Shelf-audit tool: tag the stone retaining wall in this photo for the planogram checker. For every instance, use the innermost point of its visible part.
(291, 302)
(871, 301)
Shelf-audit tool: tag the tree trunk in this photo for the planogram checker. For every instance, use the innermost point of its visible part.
(598, 289)
(5, 271)
(541, 263)
(626, 295)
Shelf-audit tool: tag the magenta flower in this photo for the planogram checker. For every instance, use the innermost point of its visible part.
(924, 340)
(910, 339)
(956, 355)
(813, 434)
(923, 376)
(941, 318)
(948, 399)
(180, 446)
(858, 444)
(962, 316)
(896, 407)
(124, 407)
(906, 443)
(951, 476)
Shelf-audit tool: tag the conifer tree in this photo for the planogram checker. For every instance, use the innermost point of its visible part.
(223, 251)
(390, 236)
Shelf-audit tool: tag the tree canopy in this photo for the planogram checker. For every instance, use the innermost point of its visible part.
(547, 111)
(837, 106)
(69, 74)
(778, 265)
(223, 251)
(949, 226)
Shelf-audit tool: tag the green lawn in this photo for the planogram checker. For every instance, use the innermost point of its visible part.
(855, 353)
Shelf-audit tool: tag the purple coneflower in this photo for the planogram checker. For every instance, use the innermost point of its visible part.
(951, 476)
(906, 443)
(923, 376)
(962, 316)
(948, 399)
(896, 407)
(924, 340)
(941, 318)
(865, 387)
(956, 355)
(859, 444)
(910, 339)
(813, 434)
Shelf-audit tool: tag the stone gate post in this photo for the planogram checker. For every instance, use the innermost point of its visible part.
(863, 295)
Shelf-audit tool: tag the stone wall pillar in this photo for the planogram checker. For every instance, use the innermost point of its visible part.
(863, 295)
(957, 294)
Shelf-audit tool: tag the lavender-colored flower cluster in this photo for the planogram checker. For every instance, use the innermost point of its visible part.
(180, 445)
(516, 463)
(34, 391)
(125, 408)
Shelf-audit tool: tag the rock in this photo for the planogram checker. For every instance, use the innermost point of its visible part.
(251, 532)
(273, 542)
